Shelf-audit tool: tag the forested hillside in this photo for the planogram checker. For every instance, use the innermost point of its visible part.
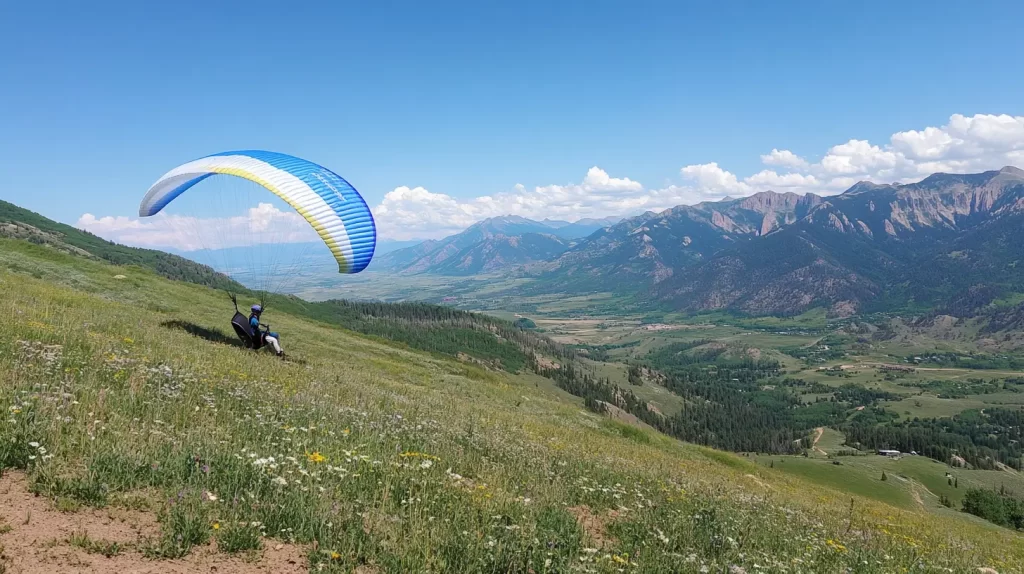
(442, 330)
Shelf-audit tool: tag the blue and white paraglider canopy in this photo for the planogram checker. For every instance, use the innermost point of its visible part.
(333, 208)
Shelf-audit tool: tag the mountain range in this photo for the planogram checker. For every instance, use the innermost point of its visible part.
(948, 243)
(874, 247)
(948, 240)
(494, 244)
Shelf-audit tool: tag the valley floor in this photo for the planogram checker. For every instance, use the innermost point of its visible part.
(913, 482)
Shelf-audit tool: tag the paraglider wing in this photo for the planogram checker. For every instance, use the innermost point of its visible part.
(329, 203)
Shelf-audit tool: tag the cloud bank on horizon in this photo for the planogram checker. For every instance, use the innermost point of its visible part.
(964, 144)
(263, 223)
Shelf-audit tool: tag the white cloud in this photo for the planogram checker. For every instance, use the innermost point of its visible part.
(784, 158)
(598, 179)
(929, 143)
(768, 179)
(714, 179)
(418, 213)
(857, 156)
(965, 144)
(261, 224)
(406, 213)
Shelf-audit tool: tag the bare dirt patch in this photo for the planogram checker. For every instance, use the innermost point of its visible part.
(545, 363)
(1005, 468)
(36, 539)
(618, 414)
(595, 525)
(758, 482)
(494, 365)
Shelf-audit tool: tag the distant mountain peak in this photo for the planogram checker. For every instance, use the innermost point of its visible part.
(1011, 170)
(505, 219)
(864, 186)
(555, 223)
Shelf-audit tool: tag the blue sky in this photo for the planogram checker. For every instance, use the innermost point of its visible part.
(439, 104)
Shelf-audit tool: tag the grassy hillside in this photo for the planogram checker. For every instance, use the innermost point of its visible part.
(377, 458)
(16, 222)
(431, 328)
(911, 481)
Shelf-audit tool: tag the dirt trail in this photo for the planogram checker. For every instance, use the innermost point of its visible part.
(35, 539)
(914, 485)
(915, 494)
(818, 432)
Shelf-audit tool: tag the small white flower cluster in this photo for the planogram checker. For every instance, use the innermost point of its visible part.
(41, 452)
(33, 351)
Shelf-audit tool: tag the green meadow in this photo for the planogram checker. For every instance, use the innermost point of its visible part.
(376, 457)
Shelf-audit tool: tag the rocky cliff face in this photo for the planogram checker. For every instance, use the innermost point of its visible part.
(940, 203)
(651, 248)
(871, 244)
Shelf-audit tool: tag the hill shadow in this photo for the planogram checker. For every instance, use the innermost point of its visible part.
(212, 335)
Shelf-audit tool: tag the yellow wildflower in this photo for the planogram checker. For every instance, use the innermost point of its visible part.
(316, 457)
(216, 525)
(408, 454)
(835, 545)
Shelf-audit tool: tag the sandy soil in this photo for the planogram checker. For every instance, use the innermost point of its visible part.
(35, 539)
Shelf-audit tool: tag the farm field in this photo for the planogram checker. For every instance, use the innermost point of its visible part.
(629, 339)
